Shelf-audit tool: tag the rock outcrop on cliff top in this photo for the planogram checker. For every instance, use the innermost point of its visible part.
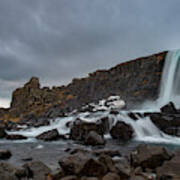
(133, 81)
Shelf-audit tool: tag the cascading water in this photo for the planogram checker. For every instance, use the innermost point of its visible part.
(170, 84)
(144, 129)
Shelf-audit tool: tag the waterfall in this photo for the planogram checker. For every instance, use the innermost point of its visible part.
(144, 129)
(170, 83)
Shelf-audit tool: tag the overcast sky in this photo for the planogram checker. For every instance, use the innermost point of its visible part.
(57, 40)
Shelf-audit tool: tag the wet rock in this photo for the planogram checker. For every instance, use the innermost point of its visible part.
(109, 152)
(169, 124)
(169, 169)
(56, 174)
(107, 162)
(20, 173)
(81, 164)
(7, 172)
(169, 108)
(123, 169)
(15, 137)
(39, 170)
(50, 135)
(133, 116)
(70, 178)
(111, 176)
(2, 133)
(81, 129)
(149, 156)
(122, 131)
(5, 154)
(94, 139)
(105, 124)
(89, 178)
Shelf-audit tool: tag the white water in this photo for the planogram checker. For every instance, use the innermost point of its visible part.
(144, 129)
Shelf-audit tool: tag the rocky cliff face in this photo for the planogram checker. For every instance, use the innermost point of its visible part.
(134, 81)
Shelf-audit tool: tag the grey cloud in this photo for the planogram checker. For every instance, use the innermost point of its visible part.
(61, 39)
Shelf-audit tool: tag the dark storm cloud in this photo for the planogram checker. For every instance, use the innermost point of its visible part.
(61, 39)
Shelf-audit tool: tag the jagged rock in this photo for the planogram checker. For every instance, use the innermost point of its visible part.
(81, 129)
(83, 164)
(39, 170)
(15, 137)
(123, 168)
(149, 156)
(94, 139)
(111, 176)
(107, 162)
(169, 169)
(21, 173)
(169, 108)
(5, 154)
(50, 135)
(7, 172)
(132, 116)
(56, 174)
(170, 124)
(109, 152)
(89, 178)
(105, 124)
(122, 131)
(70, 178)
(2, 133)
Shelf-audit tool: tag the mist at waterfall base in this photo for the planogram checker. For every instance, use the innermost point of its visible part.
(144, 129)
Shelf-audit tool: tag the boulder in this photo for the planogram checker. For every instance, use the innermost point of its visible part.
(94, 139)
(82, 164)
(57, 174)
(109, 152)
(81, 129)
(169, 108)
(50, 135)
(2, 133)
(5, 154)
(169, 124)
(7, 172)
(38, 170)
(111, 176)
(69, 178)
(15, 137)
(133, 116)
(122, 131)
(105, 124)
(169, 169)
(149, 156)
(123, 168)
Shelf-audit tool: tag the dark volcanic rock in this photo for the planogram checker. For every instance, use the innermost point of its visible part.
(82, 164)
(39, 170)
(170, 169)
(111, 176)
(168, 123)
(94, 139)
(7, 172)
(2, 133)
(50, 135)
(122, 131)
(81, 129)
(15, 137)
(149, 156)
(5, 154)
(169, 108)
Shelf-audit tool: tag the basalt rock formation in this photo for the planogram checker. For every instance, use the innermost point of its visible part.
(133, 81)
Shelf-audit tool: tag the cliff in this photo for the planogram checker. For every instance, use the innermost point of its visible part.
(134, 81)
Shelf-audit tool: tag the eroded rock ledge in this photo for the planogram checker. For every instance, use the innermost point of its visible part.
(134, 81)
